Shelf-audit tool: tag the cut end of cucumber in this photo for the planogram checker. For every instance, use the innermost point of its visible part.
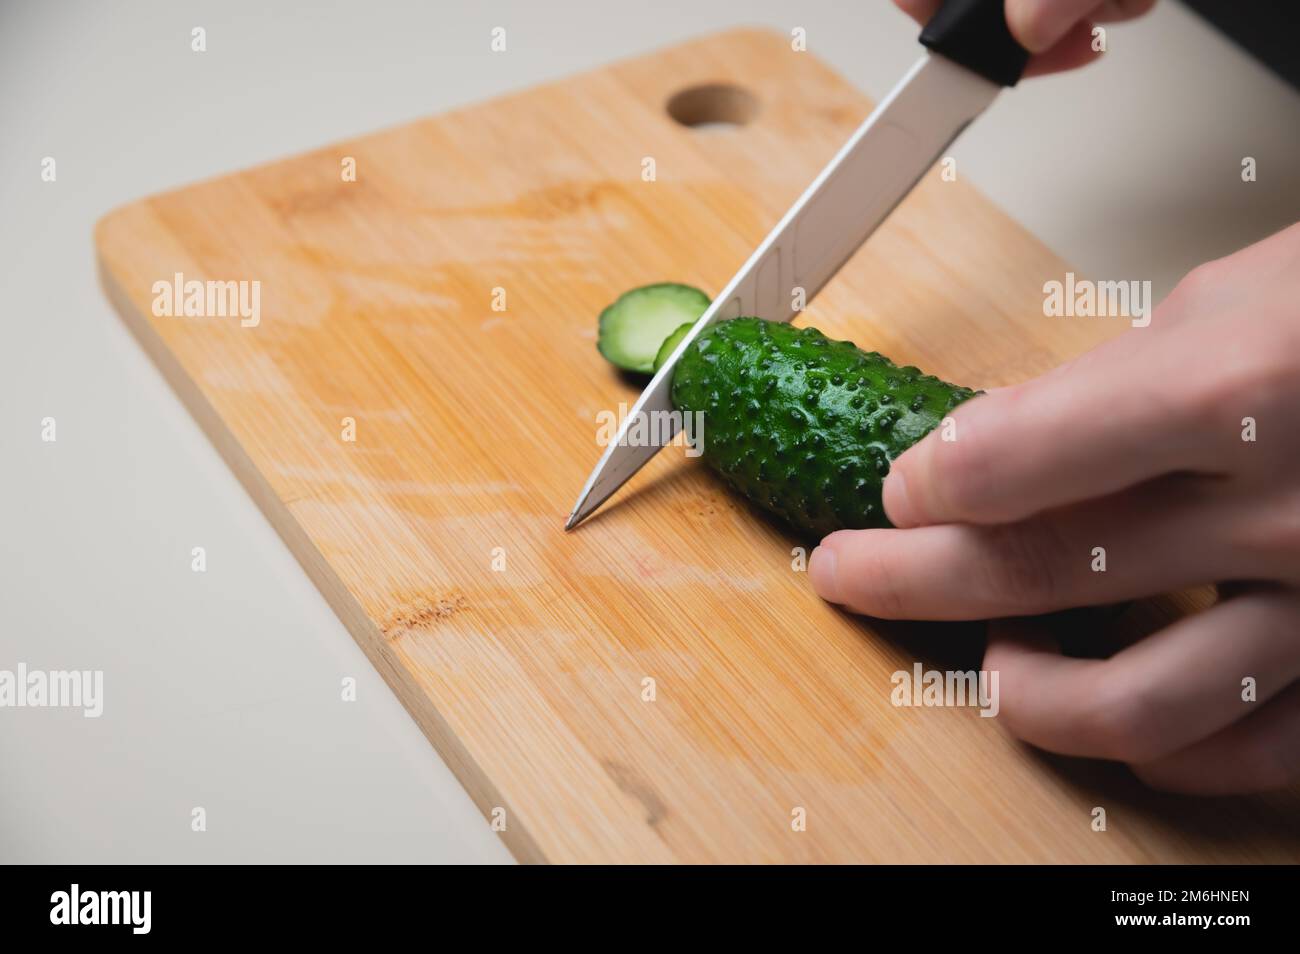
(670, 344)
(633, 329)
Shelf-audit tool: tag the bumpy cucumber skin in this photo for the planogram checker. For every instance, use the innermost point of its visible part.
(804, 426)
(669, 302)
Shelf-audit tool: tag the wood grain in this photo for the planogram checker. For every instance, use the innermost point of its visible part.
(475, 429)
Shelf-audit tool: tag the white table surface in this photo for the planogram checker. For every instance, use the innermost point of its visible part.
(222, 689)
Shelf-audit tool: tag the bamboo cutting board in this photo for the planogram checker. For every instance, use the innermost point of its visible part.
(660, 685)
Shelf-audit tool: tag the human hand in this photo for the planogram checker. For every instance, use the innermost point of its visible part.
(1175, 448)
(1057, 32)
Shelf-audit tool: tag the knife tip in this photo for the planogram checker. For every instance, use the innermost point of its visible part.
(575, 518)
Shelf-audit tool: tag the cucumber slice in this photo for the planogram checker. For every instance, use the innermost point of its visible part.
(633, 328)
(670, 343)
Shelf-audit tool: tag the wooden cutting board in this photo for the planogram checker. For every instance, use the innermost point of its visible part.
(662, 684)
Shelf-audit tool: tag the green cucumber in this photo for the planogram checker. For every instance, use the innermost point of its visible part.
(804, 426)
(670, 344)
(633, 328)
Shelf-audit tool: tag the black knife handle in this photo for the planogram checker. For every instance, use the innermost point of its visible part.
(975, 34)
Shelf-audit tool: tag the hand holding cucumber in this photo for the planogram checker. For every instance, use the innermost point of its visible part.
(1175, 448)
(1141, 442)
(1171, 450)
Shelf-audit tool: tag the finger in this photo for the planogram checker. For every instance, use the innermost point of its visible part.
(1070, 52)
(1113, 417)
(1163, 694)
(1159, 537)
(1038, 25)
(919, 10)
(1075, 47)
(1248, 278)
(1111, 11)
(1115, 11)
(1257, 754)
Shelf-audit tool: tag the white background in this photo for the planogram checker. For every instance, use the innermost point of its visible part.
(222, 689)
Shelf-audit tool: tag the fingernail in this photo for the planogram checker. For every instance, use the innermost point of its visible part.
(897, 501)
(821, 571)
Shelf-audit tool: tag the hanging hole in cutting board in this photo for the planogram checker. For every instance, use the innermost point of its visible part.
(714, 106)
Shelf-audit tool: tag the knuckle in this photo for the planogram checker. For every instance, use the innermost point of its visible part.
(956, 470)
(1206, 276)
(1120, 720)
(1023, 564)
(1195, 291)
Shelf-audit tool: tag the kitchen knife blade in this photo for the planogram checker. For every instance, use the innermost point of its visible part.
(879, 165)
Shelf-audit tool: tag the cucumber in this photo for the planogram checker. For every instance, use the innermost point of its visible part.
(633, 328)
(670, 344)
(804, 426)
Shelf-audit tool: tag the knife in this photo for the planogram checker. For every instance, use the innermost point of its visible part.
(970, 55)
